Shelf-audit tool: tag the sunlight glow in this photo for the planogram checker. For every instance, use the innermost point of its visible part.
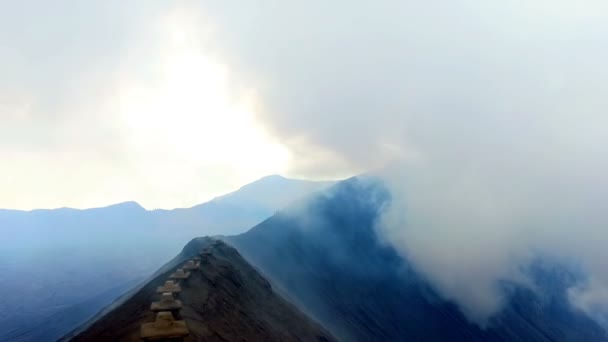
(194, 115)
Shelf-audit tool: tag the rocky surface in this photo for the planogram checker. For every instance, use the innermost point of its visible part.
(65, 265)
(225, 299)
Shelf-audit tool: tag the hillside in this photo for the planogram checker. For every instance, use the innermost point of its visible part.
(325, 254)
(224, 299)
(51, 252)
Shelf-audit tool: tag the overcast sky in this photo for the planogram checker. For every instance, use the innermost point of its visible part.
(171, 103)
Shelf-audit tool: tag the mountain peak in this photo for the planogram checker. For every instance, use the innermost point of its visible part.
(273, 177)
(129, 205)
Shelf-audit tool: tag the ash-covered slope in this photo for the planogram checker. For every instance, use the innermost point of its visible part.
(326, 255)
(225, 299)
(51, 252)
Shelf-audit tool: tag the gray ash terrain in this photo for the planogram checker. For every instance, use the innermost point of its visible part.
(323, 253)
(225, 299)
(326, 255)
(67, 264)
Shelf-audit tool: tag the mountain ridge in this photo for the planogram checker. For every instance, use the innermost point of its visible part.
(224, 299)
(361, 289)
(50, 250)
(260, 183)
(323, 254)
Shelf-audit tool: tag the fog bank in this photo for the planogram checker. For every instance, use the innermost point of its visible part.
(489, 115)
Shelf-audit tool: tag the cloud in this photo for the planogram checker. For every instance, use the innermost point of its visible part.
(491, 115)
(108, 102)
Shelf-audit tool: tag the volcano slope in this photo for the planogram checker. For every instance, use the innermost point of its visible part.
(327, 256)
(225, 299)
(63, 291)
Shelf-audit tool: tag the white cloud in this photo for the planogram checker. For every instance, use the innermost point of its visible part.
(492, 112)
(123, 103)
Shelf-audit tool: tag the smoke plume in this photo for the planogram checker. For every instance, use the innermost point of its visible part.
(490, 116)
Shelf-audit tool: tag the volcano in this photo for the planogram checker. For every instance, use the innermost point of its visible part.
(224, 299)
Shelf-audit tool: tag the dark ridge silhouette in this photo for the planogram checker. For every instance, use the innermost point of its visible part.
(224, 299)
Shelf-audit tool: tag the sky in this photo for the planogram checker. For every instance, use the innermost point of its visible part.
(173, 103)
(110, 101)
(487, 118)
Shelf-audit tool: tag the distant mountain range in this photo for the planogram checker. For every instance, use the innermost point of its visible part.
(322, 254)
(59, 267)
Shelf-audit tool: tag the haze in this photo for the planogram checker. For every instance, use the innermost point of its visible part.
(487, 118)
